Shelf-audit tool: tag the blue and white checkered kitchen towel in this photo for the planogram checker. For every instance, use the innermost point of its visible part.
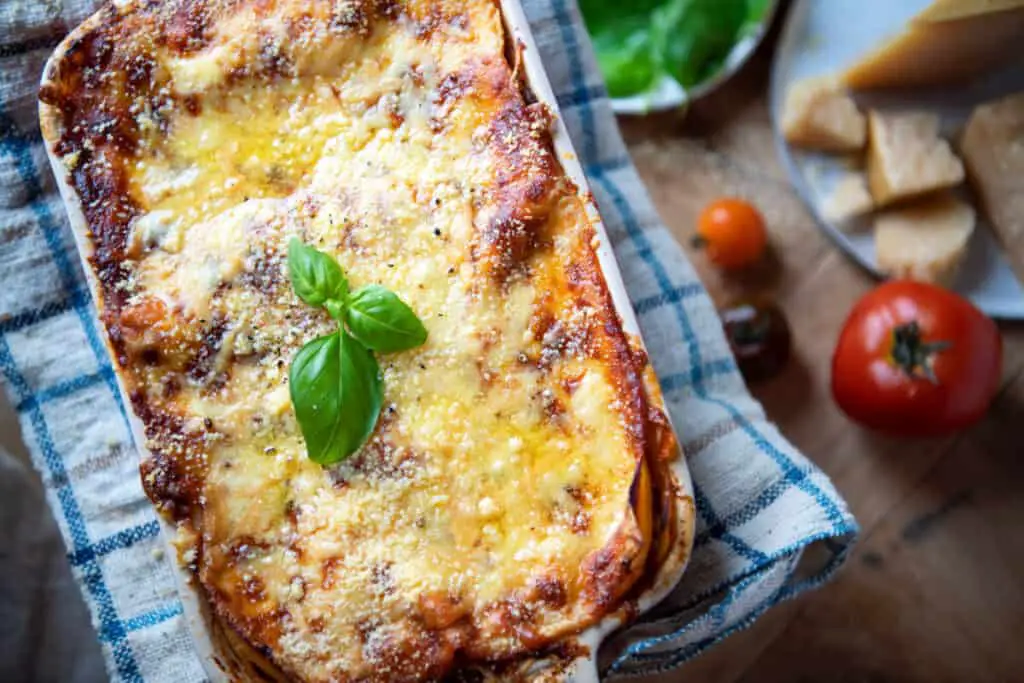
(770, 523)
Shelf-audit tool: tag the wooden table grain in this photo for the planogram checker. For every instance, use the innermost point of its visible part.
(934, 591)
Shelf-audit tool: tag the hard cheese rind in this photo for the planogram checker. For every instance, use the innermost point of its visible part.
(993, 152)
(950, 10)
(950, 43)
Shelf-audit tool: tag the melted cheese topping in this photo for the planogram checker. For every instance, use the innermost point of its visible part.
(490, 513)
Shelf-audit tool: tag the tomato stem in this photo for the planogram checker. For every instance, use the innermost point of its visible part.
(914, 355)
(698, 242)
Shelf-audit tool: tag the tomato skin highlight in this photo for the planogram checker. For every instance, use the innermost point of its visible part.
(732, 233)
(873, 389)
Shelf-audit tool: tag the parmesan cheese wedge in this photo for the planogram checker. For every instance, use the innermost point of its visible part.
(907, 158)
(951, 10)
(818, 114)
(993, 150)
(850, 198)
(950, 42)
(926, 241)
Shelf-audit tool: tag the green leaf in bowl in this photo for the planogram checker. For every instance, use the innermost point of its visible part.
(757, 11)
(640, 44)
(622, 38)
(627, 58)
(696, 36)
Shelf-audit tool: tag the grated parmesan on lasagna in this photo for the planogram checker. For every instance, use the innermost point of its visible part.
(514, 490)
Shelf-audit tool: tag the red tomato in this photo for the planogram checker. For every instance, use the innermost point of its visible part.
(732, 233)
(916, 360)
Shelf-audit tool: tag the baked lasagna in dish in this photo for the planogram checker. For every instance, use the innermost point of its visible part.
(520, 487)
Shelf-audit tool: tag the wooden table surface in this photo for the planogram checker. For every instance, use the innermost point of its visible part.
(935, 588)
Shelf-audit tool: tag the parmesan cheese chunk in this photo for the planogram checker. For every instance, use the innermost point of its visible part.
(926, 241)
(850, 198)
(993, 149)
(952, 41)
(907, 158)
(948, 10)
(819, 115)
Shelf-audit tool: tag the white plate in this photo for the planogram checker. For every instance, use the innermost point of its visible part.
(668, 94)
(825, 36)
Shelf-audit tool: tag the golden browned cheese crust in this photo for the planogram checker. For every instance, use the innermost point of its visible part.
(509, 494)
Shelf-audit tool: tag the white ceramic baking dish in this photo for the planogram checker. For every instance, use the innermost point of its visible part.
(222, 652)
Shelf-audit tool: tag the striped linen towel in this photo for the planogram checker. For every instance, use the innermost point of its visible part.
(770, 523)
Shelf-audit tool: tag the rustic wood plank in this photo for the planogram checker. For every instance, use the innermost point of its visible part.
(933, 592)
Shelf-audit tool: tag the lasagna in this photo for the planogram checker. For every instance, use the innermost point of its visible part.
(517, 488)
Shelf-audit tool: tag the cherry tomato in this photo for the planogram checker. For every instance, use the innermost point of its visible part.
(732, 233)
(760, 339)
(916, 360)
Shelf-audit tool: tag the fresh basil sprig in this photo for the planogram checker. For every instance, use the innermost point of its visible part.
(337, 391)
(335, 382)
(640, 42)
(382, 321)
(316, 277)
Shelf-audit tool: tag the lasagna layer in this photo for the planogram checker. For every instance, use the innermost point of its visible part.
(504, 500)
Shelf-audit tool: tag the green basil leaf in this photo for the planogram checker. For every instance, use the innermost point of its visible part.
(336, 309)
(757, 11)
(626, 57)
(316, 276)
(336, 391)
(697, 36)
(601, 14)
(622, 37)
(382, 321)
